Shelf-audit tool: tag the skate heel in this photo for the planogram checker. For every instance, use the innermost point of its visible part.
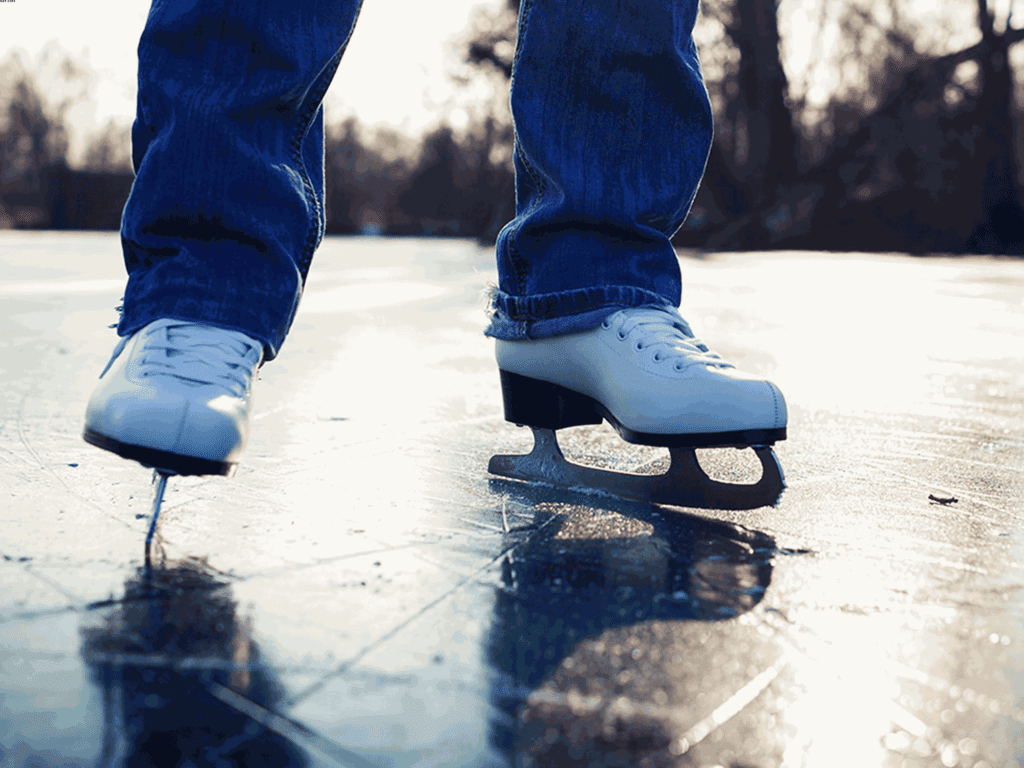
(545, 406)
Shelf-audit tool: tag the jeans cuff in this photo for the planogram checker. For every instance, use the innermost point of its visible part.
(542, 316)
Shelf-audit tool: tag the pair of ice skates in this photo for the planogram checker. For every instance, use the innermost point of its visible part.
(176, 396)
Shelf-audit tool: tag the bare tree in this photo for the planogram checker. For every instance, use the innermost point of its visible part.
(764, 144)
(366, 170)
(33, 138)
(491, 38)
(489, 48)
(1003, 222)
(34, 132)
(110, 149)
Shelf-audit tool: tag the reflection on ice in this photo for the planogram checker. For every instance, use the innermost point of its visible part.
(571, 684)
(161, 657)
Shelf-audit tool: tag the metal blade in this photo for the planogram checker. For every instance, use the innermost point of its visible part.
(684, 484)
(160, 481)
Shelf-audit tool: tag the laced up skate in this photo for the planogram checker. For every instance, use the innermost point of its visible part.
(645, 372)
(177, 397)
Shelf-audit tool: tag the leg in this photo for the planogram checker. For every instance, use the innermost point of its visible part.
(227, 206)
(222, 222)
(613, 128)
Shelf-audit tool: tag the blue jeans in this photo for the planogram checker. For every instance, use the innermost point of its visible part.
(613, 127)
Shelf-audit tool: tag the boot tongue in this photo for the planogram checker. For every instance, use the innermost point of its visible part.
(205, 360)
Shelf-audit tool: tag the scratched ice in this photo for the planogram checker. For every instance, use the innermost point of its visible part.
(363, 593)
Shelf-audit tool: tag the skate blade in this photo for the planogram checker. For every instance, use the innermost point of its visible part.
(160, 477)
(684, 484)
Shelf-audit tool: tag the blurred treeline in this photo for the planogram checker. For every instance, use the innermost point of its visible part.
(899, 132)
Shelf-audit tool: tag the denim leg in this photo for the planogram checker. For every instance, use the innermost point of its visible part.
(227, 207)
(613, 129)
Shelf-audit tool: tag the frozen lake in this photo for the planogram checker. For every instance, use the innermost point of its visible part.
(363, 593)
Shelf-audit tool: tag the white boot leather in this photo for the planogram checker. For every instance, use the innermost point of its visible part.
(177, 395)
(648, 372)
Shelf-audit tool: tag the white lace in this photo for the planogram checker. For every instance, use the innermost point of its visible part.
(665, 331)
(201, 355)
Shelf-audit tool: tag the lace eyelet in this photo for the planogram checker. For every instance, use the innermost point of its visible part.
(657, 357)
(606, 325)
(621, 335)
(639, 346)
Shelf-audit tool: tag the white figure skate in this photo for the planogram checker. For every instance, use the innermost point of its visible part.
(645, 373)
(176, 396)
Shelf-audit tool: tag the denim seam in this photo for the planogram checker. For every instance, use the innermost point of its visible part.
(302, 128)
(537, 178)
(541, 187)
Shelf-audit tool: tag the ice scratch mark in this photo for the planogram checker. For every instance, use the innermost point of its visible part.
(49, 470)
(725, 712)
(22, 459)
(905, 720)
(342, 668)
(295, 567)
(923, 678)
(289, 729)
(978, 700)
(965, 494)
(815, 646)
(79, 601)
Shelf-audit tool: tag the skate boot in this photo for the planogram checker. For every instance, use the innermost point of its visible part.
(644, 372)
(176, 396)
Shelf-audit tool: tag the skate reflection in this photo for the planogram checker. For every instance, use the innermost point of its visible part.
(585, 572)
(166, 658)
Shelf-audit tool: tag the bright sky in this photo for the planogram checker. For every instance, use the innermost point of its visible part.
(406, 44)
